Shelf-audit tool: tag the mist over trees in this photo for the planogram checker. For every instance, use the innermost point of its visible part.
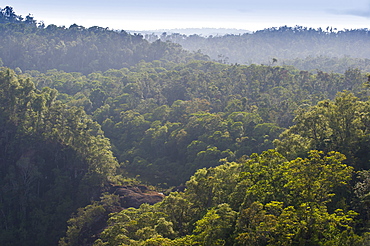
(240, 153)
(305, 48)
(29, 46)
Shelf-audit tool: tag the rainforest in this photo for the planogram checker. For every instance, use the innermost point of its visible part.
(113, 138)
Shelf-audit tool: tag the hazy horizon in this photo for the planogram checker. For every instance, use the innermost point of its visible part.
(143, 15)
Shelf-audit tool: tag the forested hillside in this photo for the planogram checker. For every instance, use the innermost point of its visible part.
(242, 154)
(27, 45)
(305, 48)
(54, 159)
(179, 118)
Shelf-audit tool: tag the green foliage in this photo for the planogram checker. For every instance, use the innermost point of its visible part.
(133, 226)
(170, 120)
(215, 226)
(263, 200)
(54, 159)
(302, 47)
(220, 111)
(26, 45)
(313, 178)
(179, 211)
(81, 226)
(295, 194)
(338, 125)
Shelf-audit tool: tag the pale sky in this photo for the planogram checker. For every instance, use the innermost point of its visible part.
(168, 14)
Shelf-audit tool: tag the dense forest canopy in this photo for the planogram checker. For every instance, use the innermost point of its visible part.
(183, 117)
(28, 45)
(54, 158)
(245, 154)
(8, 15)
(80, 49)
(305, 48)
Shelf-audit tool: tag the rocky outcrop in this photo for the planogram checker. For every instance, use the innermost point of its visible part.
(134, 196)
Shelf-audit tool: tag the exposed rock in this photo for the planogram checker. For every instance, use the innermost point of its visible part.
(134, 196)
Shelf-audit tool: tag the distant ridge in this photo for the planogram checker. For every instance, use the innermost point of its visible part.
(198, 31)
